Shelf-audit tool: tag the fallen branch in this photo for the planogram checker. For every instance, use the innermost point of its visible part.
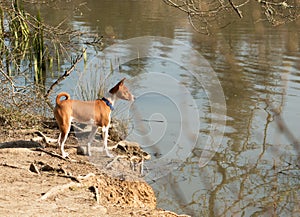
(81, 178)
(67, 176)
(42, 137)
(58, 189)
(11, 166)
(51, 153)
(45, 138)
(73, 178)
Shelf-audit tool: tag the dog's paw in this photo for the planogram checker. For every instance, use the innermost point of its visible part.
(65, 155)
(109, 155)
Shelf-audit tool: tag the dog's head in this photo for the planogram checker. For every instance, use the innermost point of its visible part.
(121, 91)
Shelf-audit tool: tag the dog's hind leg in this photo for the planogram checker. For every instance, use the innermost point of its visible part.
(58, 140)
(65, 129)
(90, 139)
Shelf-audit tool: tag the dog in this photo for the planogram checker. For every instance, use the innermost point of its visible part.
(96, 113)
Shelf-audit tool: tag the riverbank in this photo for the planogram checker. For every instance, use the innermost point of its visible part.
(36, 181)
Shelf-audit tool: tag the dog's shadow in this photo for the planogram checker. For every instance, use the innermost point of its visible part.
(21, 144)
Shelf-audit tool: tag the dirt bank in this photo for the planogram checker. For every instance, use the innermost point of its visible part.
(37, 182)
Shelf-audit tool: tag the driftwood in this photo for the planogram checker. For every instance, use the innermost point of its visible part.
(60, 188)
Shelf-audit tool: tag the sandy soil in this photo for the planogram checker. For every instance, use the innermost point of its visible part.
(35, 181)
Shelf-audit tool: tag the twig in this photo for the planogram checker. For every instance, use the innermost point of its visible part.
(81, 178)
(114, 160)
(66, 74)
(8, 78)
(50, 153)
(236, 9)
(73, 178)
(11, 166)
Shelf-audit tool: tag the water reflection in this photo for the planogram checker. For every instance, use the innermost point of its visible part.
(255, 172)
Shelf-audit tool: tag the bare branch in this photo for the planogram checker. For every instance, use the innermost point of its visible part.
(236, 9)
(206, 14)
(66, 74)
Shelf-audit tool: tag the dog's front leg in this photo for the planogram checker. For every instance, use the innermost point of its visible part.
(105, 138)
(90, 139)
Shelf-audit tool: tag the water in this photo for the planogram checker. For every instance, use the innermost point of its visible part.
(254, 170)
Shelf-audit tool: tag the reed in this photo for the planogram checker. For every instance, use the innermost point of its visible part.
(31, 49)
(38, 51)
(23, 42)
(92, 83)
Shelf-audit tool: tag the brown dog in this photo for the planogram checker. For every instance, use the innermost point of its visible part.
(97, 113)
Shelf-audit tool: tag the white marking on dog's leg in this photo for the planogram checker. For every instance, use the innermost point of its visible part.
(63, 140)
(58, 140)
(105, 138)
(62, 147)
(90, 139)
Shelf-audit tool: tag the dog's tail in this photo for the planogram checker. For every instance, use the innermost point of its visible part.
(60, 95)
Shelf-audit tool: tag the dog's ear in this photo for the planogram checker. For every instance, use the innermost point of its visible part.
(122, 81)
(116, 87)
